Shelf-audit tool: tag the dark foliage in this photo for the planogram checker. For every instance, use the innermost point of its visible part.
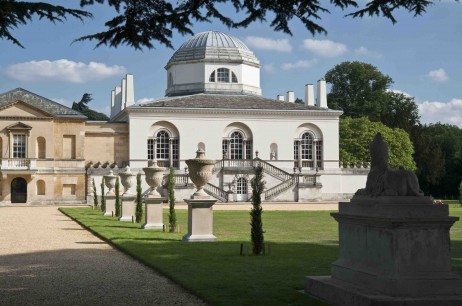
(139, 200)
(95, 196)
(103, 197)
(256, 224)
(117, 198)
(171, 200)
(140, 22)
(82, 107)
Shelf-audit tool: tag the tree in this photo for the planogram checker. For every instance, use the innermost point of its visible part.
(117, 198)
(400, 111)
(83, 107)
(356, 135)
(359, 89)
(460, 193)
(429, 158)
(95, 196)
(256, 232)
(449, 139)
(103, 196)
(139, 22)
(171, 200)
(300, 101)
(139, 199)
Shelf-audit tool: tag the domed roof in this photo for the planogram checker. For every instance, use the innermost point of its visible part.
(213, 46)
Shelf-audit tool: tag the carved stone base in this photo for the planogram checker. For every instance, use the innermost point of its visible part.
(110, 206)
(127, 208)
(393, 247)
(200, 220)
(153, 213)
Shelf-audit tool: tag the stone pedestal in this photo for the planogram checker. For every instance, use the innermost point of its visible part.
(200, 220)
(392, 250)
(110, 205)
(153, 213)
(127, 208)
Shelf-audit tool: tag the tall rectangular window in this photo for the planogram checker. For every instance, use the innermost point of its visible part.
(319, 150)
(19, 146)
(151, 148)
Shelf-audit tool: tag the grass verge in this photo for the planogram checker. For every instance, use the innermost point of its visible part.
(302, 243)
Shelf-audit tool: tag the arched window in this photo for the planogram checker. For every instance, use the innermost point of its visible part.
(212, 77)
(241, 186)
(307, 151)
(234, 78)
(41, 147)
(236, 146)
(223, 75)
(164, 149)
(40, 187)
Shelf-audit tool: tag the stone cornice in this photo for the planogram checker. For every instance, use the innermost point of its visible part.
(216, 111)
(26, 118)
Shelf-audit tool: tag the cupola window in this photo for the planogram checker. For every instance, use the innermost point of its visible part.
(223, 75)
(212, 77)
(234, 78)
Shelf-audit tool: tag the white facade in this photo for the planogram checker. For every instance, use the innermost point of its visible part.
(213, 101)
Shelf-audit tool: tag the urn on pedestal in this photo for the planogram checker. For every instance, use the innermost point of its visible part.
(200, 212)
(154, 175)
(110, 181)
(128, 180)
(200, 171)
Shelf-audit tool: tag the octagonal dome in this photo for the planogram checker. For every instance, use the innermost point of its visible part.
(213, 46)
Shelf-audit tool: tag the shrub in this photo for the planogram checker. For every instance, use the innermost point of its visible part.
(103, 196)
(95, 196)
(256, 224)
(171, 200)
(139, 200)
(117, 198)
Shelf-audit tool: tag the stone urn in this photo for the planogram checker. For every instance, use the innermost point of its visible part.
(128, 180)
(154, 175)
(110, 182)
(200, 171)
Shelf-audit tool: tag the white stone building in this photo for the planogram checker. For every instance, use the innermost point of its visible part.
(214, 101)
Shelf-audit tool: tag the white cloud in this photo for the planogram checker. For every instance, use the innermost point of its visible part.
(438, 75)
(62, 70)
(269, 68)
(325, 48)
(400, 92)
(62, 101)
(300, 64)
(444, 112)
(143, 100)
(366, 52)
(262, 43)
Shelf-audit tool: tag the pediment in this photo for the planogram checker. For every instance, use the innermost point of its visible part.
(22, 109)
(19, 126)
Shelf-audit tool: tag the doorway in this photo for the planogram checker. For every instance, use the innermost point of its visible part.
(18, 190)
(241, 190)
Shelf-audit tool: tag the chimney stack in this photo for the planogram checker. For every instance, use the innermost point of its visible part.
(309, 95)
(290, 96)
(130, 91)
(321, 100)
(280, 98)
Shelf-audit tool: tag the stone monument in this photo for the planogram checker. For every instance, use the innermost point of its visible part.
(127, 203)
(394, 244)
(200, 212)
(153, 202)
(110, 181)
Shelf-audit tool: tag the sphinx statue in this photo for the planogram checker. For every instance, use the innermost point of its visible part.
(385, 181)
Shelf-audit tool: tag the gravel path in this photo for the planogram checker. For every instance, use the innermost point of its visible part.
(48, 259)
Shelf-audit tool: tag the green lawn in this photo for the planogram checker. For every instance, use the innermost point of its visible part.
(302, 243)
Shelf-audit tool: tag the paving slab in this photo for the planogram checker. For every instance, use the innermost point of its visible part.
(48, 259)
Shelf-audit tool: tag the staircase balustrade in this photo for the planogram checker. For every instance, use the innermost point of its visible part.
(216, 192)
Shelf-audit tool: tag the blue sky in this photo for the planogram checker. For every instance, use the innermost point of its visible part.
(421, 54)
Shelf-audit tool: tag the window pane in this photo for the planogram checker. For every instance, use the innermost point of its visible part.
(223, 75)
(234, 78)
(162, 146)
(19, 146)
(151, 148)
(212, 77)
(236, 145)
(307, 146)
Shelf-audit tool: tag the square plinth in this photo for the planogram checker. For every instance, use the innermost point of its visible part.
(110, 205)
(200, 220)
(127, 208)
(153, 213)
